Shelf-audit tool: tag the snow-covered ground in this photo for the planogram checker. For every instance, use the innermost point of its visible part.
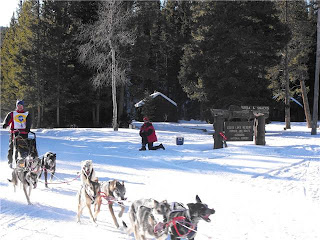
(258, 192)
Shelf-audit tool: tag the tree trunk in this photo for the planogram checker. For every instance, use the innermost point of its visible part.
(114, 93)
(32, 116)
(316, 81)
(94, 115)
(58, 89)
(58, 96)
(38, 71)
(58, 109)
(287, 89)
(42, 110)
(97, 114)
(38, 113)
(287, 82)
(305, 103)
(121, 101)
(201, 112)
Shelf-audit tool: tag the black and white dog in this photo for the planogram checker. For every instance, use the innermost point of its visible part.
(184, 220)
(48, 164)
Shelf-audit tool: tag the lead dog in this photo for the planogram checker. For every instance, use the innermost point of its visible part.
(26, 175)
(184, 221)
(112, 191)
(48, 164)
(89, 192)
(148, 218)
(88, 195)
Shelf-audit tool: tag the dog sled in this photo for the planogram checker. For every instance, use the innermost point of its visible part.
(25, 153)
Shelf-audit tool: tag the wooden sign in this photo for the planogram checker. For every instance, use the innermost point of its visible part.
(257, 109)
(239, 131)
(231, 114)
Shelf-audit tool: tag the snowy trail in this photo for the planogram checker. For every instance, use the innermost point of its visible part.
(258, 192)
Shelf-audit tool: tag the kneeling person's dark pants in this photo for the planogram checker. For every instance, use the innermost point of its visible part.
(150, 144)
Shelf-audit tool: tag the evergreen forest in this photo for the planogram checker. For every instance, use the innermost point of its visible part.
(79, 63)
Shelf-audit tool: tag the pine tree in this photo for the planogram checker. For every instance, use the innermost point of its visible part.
(19, 67)
(175, 33)
(9, 68)
(233, 45)
(315, 114)
(145, 52)
(58, 53)
(295, 15)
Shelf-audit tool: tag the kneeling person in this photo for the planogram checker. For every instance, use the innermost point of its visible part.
(148, 135)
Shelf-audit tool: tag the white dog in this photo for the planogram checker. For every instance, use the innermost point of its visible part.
(87, 172)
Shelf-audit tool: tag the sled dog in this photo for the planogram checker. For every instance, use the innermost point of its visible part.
(112, 191)
(48, 164)
(184, 221)
(87, 172)
(27, 178)
(148, 219)
(88, 195)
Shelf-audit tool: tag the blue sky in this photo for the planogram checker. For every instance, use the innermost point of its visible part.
(7, 7)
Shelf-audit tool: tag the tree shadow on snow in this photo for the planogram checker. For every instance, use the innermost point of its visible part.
(36, 211)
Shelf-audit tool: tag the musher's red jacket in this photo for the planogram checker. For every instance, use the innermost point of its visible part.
(148, 130)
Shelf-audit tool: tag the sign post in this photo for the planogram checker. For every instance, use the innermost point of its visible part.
(259, 130)
(240, 124)
(218, 127)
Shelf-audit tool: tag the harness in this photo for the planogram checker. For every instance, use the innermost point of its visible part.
(22, 173)
(184, 221)
(34, 168)
(94, 196)
(29, 164)
(48, 164)
(110, 197)
(50, 170)
(180, 220)
(87, 176)
(159, 227)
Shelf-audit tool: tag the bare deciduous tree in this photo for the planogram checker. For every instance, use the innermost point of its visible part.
(101, 48)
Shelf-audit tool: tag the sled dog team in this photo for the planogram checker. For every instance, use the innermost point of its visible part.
(149, 218)
(28, 170)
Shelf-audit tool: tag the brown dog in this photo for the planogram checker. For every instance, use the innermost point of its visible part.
(112, 191)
